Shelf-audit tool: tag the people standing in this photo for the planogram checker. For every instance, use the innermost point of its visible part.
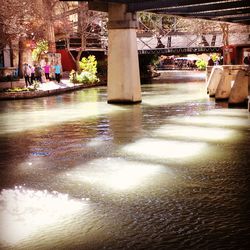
(217, 61)
(38, 73)
(32, 77)
(46, 69)
(210, 62)
(27, 74)
(247, 60)
(57, 68)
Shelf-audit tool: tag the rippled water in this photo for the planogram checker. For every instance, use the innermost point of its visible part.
(169, 173)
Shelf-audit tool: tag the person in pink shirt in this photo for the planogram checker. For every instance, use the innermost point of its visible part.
(47, 70)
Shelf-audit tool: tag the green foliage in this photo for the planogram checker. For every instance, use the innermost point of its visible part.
(88, 71)
(214, 57)
(33, 87)
(201, 64)
(17, 89)
(89, 64)
(86, 77)
(41, 47)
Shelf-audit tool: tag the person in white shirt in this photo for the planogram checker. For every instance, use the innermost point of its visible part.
(27, 74)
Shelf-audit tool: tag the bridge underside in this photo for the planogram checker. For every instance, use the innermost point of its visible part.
(123, 67)
(236, 11)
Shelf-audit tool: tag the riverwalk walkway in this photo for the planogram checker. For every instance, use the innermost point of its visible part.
(47, 89)
(54, 88)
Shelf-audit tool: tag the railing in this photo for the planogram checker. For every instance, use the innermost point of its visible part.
(176, 51)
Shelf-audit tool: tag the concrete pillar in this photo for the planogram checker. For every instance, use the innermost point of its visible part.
(208, 72)
(214, 80)
(123, 66)
(224, 87)
(239, 91)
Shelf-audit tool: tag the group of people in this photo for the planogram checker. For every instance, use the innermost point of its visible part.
(41, 74)
(171, 62)
(218, 61)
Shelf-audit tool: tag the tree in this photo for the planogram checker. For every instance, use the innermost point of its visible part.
(53, 18)
(16, 19)
(41, 47)
(88, 23)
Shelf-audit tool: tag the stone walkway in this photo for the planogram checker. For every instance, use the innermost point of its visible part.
(65, 83)
(47, 89)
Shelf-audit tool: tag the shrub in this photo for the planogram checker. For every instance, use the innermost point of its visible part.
(201, 64)
(33, 87)
(89, 64)
(88, 71)
(17, 89)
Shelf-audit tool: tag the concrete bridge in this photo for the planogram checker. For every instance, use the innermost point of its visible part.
(123, 66)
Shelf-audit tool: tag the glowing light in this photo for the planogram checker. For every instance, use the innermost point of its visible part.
(194, 132)
(96, 142)
(211, 120)
(16, 121)
(228, 112)
(163, 149)
(171, 99)
(116, 173)
(25, 212)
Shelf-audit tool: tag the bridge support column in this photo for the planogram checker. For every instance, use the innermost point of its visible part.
(227, 81)
(214, 80)
(239, 91)
(123, 66)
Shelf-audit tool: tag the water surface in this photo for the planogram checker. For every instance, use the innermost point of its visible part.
(169, 173)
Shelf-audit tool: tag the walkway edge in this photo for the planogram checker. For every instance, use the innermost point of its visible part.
(43, 93)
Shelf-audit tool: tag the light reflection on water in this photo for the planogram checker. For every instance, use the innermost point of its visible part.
(194, 132)
(25, 120)
(211, 120)
(163, 149)
(169, 173)
(117, 174)
(25, 212)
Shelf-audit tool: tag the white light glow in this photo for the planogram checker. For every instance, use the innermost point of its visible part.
(228, 112)
(116, 173)
(25, 212)
(17, 121)
(164, 149)
(210, 120)
(96, 142)
(194, 132)
(171, 99)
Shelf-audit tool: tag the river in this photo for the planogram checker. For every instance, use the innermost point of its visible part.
(169, 173)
